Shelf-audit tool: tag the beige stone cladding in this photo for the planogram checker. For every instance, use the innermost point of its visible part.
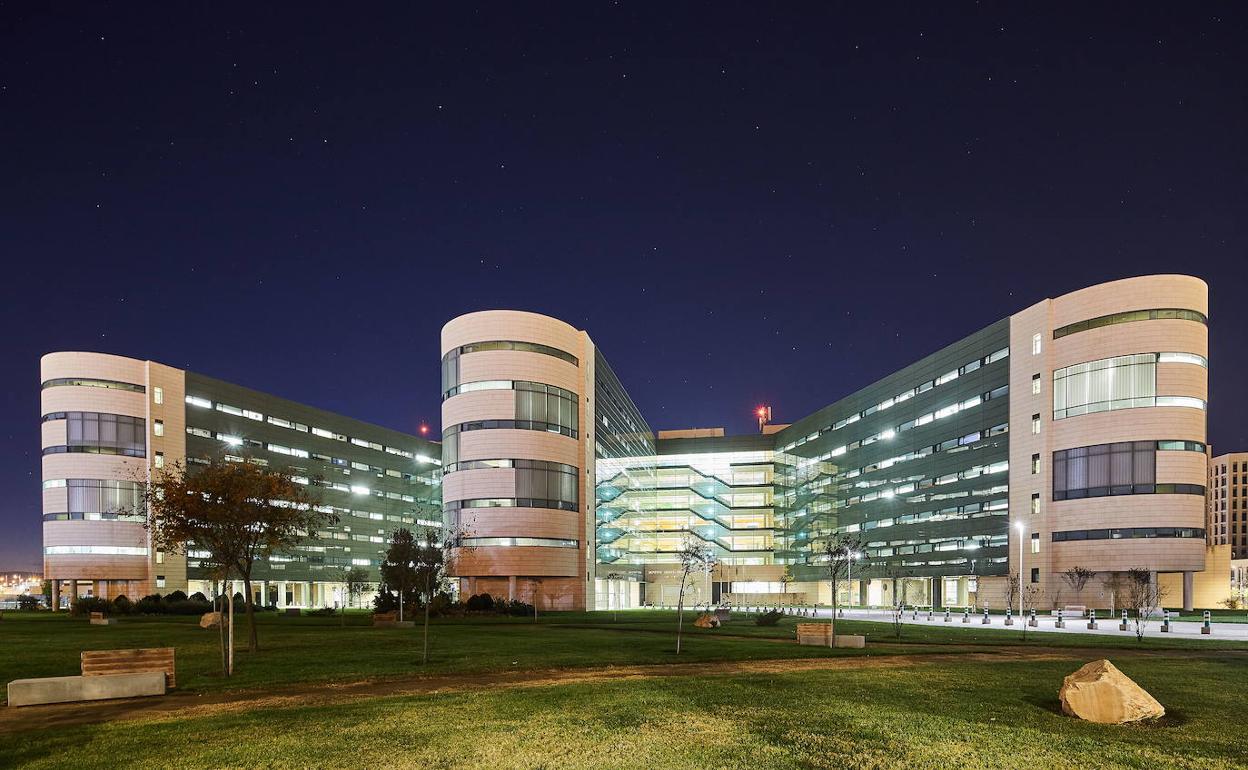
(1034, 327)
(552, 575)
(121, 563)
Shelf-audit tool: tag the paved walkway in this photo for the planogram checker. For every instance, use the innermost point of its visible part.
(1077, 625)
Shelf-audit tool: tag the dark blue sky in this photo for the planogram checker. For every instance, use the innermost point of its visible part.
(741, 204)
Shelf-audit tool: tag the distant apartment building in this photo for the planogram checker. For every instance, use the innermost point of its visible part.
(1228, 502)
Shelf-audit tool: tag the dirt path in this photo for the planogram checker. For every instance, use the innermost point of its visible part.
(181, 704)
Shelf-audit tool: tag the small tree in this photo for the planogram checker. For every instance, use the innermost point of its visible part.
(838, 551)
(1144, 595)
(610, 578)
(430, 563)
(398, 568)
(694, 556)
(897, 612)
(239, 512)
(786, 579)
(355, 582)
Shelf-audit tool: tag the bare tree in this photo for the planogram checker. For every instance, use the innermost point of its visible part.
(1077, 578)
(837, 552)
(1031, 597)
(1013, 584)
(1144, 595)
(786, 578)
(239, 512)
(694, 556)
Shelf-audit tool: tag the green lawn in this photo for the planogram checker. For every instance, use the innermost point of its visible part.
(319, 649)
(955, 714)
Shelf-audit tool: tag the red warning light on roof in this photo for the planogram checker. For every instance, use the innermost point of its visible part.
(424, 429)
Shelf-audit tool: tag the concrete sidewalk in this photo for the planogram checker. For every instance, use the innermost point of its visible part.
(1106, 626)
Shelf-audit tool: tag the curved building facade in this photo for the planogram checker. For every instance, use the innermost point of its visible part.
(106, 421)
(516, 411)
(1108, 393)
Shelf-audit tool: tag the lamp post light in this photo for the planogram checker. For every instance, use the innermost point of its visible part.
(1021, 529)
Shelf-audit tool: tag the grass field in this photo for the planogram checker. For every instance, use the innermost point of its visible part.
(956, 711)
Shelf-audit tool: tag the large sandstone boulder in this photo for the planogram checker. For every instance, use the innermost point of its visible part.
(1099, 692)
(707, 620)
(210, 620)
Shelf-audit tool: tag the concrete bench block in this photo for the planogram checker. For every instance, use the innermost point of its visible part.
(101, 622)
(851, 640)
(67, 689)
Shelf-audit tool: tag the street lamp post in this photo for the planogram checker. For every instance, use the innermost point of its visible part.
(1021, 529)
(849, 576)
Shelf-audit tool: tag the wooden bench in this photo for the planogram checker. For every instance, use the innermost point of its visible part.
(106, 662)
(820, 635)
(385, 618)
(98, 619)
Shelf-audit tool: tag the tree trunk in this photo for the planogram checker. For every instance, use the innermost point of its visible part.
(219, 606)
(834, 597)
(428, 600)
(253, 642)
(229, 668)
(680, 611)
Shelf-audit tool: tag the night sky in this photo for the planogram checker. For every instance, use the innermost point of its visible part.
(741, 204)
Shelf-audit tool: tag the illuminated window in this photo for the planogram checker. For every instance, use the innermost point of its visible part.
(160, 581)
(1035, 425)
(1035, 344)
(1035, 544)
(160, 460)
(1035, 384)
(158, 395)
(1035, 502)
(158, 427)
(1035, 464)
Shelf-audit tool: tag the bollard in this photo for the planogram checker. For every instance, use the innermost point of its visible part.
(985, 621)
(914, 609)
(966, 614)
(1009, 616)
(1092, 620)
(947, 618)
(1061, 622)
(1205, 627)
(1123, 625)
(1032, 622)
(929, 614)
(1165, 621)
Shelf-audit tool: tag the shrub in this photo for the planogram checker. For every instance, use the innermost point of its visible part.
(176, 596)
(323, 612)
(1231, 603)
(85, 605)
(199, 597)
(187, 607)
(150, 605)
(769, 618)
(474, 603)
(122, 605)
(386, 601)
(28, 603)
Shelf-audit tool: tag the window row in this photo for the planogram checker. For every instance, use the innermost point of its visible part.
(1129, 317)
(339, 462)
(547, 427)
(204, 403)
(1126, 533)
(95, 550)
(476, 465)
(87, 382)
(526, 347)
(904, 396)
(450, 506)
(505, 542)
(479, 385)
(1121, 382)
